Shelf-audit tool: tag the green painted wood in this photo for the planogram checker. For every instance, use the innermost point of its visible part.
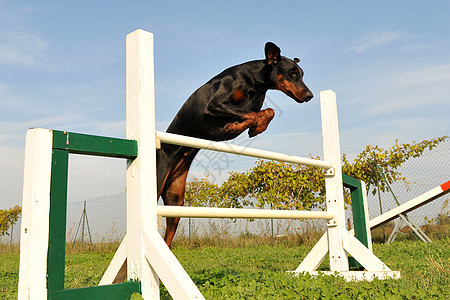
(78, 143)
(119, 291)
(65, 143)
(57, 221)
(359, 219)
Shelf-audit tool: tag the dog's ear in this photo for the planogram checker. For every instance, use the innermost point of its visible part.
(296, 60)
(273, 53)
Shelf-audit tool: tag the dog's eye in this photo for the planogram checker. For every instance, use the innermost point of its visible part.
(293, 72)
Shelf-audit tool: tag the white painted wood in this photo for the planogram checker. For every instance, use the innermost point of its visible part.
(362, 254)
(315, 257)
(366, 214)
(175, 139)
(141, 172)
(116, 263)
(168, 268)
(374, 266)
(215, 212)
(35, 214)
(333, 180)
(408, 206)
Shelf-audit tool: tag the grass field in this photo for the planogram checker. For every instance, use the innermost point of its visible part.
(257, 271)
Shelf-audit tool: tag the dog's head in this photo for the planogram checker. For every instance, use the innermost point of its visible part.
(286, 75)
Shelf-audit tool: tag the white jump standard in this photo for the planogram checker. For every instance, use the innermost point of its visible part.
(143, 252)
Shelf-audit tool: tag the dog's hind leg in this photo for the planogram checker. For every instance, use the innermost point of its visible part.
(250, 120)
(255, 122)
(264, 118)
(175, 196)
(174, 188)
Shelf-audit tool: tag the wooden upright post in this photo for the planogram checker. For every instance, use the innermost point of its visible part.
(141, 173)
(337, 242)
(333, 180)
(35, 214)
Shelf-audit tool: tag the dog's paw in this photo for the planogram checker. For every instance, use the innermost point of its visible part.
(254, 131)
(227, 127)
(231, 127)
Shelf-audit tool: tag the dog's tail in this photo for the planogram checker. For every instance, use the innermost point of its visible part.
(172, 161)
(163, 166)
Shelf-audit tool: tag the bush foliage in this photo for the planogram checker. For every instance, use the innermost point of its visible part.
(8, 217)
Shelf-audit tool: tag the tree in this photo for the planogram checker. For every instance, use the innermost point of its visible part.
(8, 217)
(290, 186)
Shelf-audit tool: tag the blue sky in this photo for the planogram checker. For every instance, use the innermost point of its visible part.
(62, 66)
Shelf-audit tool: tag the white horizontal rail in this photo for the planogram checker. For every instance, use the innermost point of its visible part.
(239, 213)
(181, 140)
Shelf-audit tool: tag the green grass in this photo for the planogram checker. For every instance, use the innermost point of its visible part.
(257, 271)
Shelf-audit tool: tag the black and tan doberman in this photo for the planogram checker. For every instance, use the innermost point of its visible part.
(222, 109)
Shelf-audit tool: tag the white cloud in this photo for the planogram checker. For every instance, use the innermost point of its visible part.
(23, 49)
(375, 39)
(418, 47)
(438, 75)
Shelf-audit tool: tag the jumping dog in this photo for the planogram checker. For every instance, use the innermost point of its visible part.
(222, 109)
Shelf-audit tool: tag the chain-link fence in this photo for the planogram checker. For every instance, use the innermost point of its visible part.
(107, 215)
(423, 174)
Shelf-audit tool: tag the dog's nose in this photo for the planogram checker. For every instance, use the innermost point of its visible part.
(308, 96)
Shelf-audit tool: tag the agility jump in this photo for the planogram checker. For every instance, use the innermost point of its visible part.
(143, 254)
